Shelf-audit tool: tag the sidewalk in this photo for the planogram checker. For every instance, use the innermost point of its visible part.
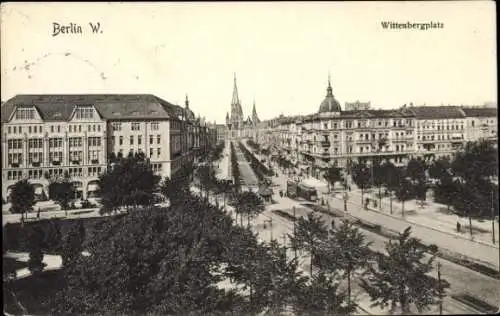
(482, 253)
(435, 216)
(52, 262)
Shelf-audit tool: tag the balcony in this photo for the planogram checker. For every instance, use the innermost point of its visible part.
(325, 143)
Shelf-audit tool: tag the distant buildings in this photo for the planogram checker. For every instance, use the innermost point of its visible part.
(336, 137)
(49, 136)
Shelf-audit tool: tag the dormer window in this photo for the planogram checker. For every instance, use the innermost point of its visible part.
(84, 112)
(25, 113)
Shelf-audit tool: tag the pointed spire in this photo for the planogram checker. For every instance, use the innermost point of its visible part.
(329, 92)
(235, 99)
(187, 102)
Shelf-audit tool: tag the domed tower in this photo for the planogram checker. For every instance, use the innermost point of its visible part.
(329, 104)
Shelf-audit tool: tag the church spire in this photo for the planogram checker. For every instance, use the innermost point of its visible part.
(255, 118)
(187, 102)
(235, 99)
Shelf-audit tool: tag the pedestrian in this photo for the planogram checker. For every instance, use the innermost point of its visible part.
(458, 226)
(333, 223)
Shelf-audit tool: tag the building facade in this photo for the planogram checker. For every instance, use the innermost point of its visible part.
(46, 137)
(336, 137)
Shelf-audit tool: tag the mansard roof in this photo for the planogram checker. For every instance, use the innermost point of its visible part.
(480, 111)
(59, 107)
(437, 112)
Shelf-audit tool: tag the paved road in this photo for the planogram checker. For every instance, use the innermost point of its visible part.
(247, 175)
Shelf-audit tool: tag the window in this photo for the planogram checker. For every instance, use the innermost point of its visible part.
(55, 156)
(136, 126)
(75, 155)
(84, 113)
(79, 128)
(15, 158)
(158, 139)
(89, 128)
(151, 139)
(35, 143)
(29, 129)
(94, 141)
(155, 126)
(150, 152)
(139, 140)
(25, 114)
(94, 128)
(94, 156)
(75, 142)
(58, 128)
(98, 128)
(131, 140)
(116, 126)
(158, 152)
(9, 130)
(55, 142)
(121, 140)
(15, 143)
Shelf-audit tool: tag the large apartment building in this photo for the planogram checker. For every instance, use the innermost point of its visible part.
(336, 137)
(49, 136)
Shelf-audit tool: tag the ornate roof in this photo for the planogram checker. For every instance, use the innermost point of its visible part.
(58, 107)
(329, 104)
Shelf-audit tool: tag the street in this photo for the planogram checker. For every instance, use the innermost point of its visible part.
(462, 280)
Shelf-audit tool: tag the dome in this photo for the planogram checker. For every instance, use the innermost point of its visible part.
(329, 104)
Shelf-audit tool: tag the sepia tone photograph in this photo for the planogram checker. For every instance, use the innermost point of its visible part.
(250, 158)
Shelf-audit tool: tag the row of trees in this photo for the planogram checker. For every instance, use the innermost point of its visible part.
(258, 167)
(399, 279)
(463, 183)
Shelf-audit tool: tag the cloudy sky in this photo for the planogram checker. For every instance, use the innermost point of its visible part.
(281, 53)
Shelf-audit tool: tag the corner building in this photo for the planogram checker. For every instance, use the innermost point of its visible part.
(45, 137)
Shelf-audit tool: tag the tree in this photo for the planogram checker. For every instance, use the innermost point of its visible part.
(404, 193)
(445, 190)
(72, 245)
(157, 261)
(361, 176)
(439, 168)
(22, 197)
(401, 278)
(415, 170)
(62, 192)
(249, 203)
(322, 297)
(332, 175)
(392, 179)
(310, 232)
(130, 182)
(35, 244)
(176, 189)
(347, 250)
(477, 160)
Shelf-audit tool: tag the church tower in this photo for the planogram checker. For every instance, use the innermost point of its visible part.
(236, 119)
(255, 118)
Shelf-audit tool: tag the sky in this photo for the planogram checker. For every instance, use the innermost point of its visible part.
(281, 53)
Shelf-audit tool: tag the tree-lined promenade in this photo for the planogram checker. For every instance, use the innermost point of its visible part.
(169, 261)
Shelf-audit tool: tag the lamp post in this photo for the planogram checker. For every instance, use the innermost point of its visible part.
(492, 219)
(440, 289)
